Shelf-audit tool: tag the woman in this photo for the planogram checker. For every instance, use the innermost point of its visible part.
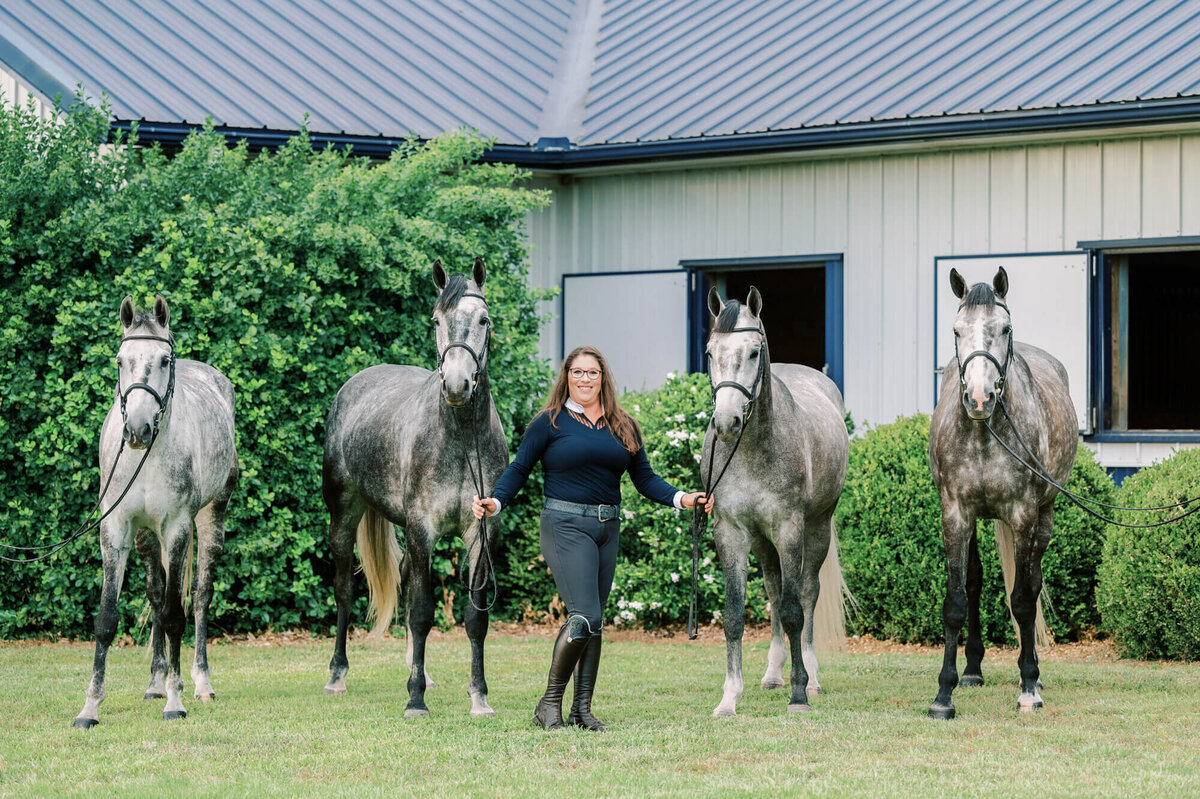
(585, 443)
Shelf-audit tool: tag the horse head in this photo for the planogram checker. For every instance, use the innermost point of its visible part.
(738, 363)
(462, 328)
(983, 342)
(145, 370)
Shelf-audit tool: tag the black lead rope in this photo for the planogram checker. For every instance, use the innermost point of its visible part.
(699, 525)
(1040, 471)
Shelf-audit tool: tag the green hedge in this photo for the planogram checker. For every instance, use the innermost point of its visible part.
(890, 530)
(289, 272)
(1149, 589)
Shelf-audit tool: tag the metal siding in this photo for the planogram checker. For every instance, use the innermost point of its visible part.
(1122, 191)
(1189, 180)
(1160, 187)
(798, 209)
(1082, 185)
(864, 265)
(935, 236)
(1044, 199)
(971, 210)
(1006, 204)
(901, 362)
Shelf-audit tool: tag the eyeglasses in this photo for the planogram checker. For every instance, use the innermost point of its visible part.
(590, 374)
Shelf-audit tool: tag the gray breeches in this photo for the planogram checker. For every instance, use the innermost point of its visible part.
(582, 555)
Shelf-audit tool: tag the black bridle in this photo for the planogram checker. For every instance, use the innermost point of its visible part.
(699, 525)
(88, 523)
(476, 470)
(1001, 367)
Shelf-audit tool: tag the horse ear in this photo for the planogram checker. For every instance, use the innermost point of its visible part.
(127, 311)
(162, 314)
(1000, 283)
(754, 301)
(714, 301)
(439, 275)
(957, 284)
(478, 272)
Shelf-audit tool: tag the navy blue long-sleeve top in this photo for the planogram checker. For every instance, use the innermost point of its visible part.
(581, 464)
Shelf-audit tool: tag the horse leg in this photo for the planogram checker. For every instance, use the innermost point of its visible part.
(816, 549)
(477, 621)
(733, 552)
(210, 536)
(768, 558)
(957, 530)
(973, 672)
(146, 542)
(114, 550)
(793, 607)
(1028, 549)
(178, 536)
(418, 611)
(344, 516)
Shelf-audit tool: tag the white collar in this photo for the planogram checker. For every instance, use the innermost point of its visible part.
(572, 405)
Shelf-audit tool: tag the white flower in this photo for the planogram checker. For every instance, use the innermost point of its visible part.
(637, 408)
(697, 457)
(628, 514)
(670, 375)
(706, 562)
(621, 603)
(716, 616)
(674, 577)
(614, 586)
(708, 578)
(628, 615)
(655, 605)
(616, 620)
(679, 417)
(637, 605)
(702, 414)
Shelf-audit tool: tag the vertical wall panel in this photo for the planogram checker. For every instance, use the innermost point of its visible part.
(1122, 193)
(1082, 185)
(832, 212)
(1160, 187)
(797, 212)
(1006, 204)
(1189, 182)
(935, 237)
(763, 201)
(899, 273)
(1044, 197)
(863, 275)
(971, 202)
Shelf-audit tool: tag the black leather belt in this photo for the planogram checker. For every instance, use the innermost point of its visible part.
(604, 513)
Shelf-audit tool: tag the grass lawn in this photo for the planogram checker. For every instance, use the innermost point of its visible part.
(1110, 727)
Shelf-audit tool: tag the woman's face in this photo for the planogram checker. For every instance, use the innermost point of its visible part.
(583, 380)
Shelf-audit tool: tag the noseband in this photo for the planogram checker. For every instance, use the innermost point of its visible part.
(752, 392)
(1001, 367)
(161, 399)
(464, 345)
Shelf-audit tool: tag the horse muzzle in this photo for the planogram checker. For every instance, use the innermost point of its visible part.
(139, 437)
(457, 393)
(979, 405)
(727, 426)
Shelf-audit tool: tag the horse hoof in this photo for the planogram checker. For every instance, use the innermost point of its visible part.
(1030, 704)
(812, 690)
(333, 688)
(771, 685)
(415, 712)
(941, 712)
(484, 713)
(724, 713)
(799, 707)
(169, 715)
(154, 695)
(208, 697)
(971, 681)
(85, 724)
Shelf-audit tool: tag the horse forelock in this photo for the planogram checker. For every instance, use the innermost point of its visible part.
(146, 323)
(980, 295)
(456, 287)
(728, 318)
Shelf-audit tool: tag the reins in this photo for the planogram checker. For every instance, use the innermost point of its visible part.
(699, 525)
(485, 554)
(88, 523)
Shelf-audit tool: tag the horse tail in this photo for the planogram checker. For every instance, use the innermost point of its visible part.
(380, 555)
(829, 618)
(1006, 547)
(189, 569)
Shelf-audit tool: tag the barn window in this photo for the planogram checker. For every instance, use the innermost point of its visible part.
(1148, 294)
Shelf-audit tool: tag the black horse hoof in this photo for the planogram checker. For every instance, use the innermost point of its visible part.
(971, 681)
(941, 712)
(168, 715)
(154, 695)
(85, 724)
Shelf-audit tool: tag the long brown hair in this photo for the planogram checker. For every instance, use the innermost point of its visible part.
(621, 424)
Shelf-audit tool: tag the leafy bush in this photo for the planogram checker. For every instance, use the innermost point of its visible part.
(289, 272)
(890, 529)
(1149, 581)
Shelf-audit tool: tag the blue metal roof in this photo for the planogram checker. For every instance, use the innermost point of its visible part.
(601, 73)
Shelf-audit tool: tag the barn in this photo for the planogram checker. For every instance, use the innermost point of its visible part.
(841, 156)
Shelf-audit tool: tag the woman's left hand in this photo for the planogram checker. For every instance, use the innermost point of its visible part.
(690, 501)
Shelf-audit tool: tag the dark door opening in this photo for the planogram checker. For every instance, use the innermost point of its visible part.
(1156, 311)
(793, 310)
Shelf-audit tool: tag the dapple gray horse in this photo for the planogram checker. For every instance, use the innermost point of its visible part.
(182, 412)
(977, 479)
(404, 446)
(777, 498)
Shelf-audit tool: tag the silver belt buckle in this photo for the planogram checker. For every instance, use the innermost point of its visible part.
(600, 512)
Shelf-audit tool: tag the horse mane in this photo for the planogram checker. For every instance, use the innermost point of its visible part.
(456, 287)
(981, 294)
(148, 322)
(727, 321)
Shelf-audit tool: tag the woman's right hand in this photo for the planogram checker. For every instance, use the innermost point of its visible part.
(478, 506)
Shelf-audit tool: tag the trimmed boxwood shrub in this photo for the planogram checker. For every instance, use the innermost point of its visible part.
(289, 272)
(1149, 581)
(890, 530)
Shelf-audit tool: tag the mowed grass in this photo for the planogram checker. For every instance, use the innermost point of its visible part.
(1110, 728)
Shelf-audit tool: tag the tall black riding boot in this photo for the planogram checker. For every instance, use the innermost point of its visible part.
(572, 640)
(585, 683)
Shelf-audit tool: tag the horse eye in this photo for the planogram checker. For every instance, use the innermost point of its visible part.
(119, 362)
(1007, 329)
(485, 321)
(166, 360)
